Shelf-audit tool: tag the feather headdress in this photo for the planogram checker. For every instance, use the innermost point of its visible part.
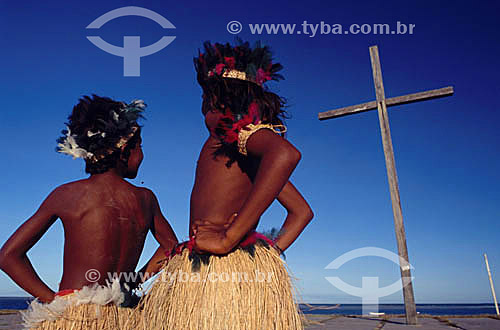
(108, 133)
(239, 62)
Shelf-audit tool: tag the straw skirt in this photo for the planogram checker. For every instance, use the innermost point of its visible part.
(92, 308)
(247, 289)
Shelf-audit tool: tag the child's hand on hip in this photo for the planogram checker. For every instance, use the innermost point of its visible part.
(211, 237)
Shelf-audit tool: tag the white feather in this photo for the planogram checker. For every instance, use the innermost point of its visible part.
(70, 147)
(96, 294)
(115, 116)
(91, 134)
(137, 104)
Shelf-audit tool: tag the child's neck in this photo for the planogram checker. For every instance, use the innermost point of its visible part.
(111, 173)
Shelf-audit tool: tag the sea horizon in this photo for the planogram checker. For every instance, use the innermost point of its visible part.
(332, 302)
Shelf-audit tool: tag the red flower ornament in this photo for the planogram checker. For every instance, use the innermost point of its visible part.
(219, 67)
(230, 61)
(262, 76)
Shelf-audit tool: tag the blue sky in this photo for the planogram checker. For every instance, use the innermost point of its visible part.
(446, 150)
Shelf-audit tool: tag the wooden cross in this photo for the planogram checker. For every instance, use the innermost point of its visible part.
(381, 105)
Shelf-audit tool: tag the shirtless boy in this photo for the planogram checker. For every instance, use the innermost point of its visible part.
(105, 220)
(244, 165)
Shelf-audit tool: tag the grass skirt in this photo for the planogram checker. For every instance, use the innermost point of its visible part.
(247, 289)
(92, 308)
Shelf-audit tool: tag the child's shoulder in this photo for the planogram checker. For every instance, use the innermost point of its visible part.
(68, 187)
(75, 189)
(64, 195)
(146, 193)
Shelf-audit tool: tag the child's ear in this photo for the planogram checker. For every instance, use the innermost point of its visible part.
(122, 154)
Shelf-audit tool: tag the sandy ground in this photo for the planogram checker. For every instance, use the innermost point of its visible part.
(397, 322)
(10, 320)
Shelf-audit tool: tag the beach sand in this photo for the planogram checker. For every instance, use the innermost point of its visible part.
(397, 322)
(10, 319)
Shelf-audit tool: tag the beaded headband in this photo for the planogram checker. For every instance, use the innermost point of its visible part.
(239, 62)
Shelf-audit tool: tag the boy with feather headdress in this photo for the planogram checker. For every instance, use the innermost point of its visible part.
(235, 276)
(105, 220)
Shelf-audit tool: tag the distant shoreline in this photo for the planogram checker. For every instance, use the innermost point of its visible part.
(26, 298)
(472, 316)
(12, 305)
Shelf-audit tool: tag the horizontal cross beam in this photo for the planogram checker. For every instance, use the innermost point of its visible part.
(398, 100)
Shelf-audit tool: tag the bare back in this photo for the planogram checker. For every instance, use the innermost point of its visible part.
(219, 191)
(105, 221)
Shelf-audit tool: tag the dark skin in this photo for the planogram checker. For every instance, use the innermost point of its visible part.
(105, 219)
(227, 203)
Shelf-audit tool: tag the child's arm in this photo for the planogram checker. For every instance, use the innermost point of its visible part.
(151, 267)
(163, 233)
(278, 159)
(299, 215)
(13, 258)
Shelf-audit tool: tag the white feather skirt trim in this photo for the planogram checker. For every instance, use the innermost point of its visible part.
(38, 312)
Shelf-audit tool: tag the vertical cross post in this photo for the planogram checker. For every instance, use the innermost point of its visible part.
(409, 299)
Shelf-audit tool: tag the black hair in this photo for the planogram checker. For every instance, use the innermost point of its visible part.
(95, 127)
(236, 96)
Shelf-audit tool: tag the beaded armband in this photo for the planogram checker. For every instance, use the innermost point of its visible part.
(245, 133)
